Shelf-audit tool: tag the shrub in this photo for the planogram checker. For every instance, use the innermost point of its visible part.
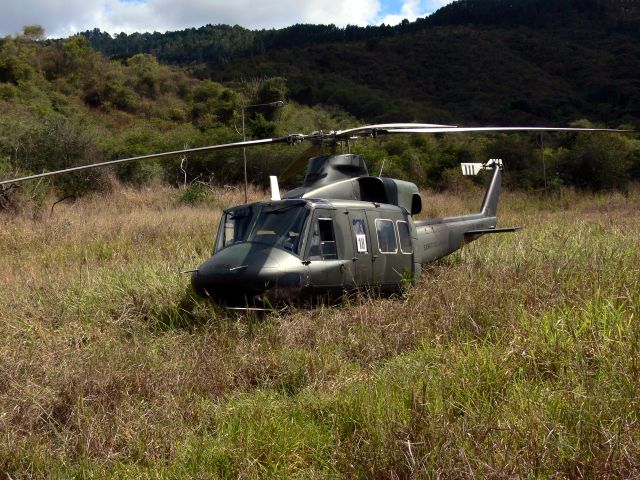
(597, 162)
(195, 193)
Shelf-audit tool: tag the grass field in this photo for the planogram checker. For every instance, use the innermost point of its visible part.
(517, 356)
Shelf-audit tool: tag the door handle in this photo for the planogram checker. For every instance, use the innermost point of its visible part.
(354, 259)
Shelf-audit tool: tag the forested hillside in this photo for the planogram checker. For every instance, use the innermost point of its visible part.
(63, 103)
(473, 61)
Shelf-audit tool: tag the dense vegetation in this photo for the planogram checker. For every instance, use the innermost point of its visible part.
(65, 104)
(517, 357)
(220, 44)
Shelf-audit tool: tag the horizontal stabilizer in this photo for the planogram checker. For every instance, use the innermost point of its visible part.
(492, 230)
(475, 168)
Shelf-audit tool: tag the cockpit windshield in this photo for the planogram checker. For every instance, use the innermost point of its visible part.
(277, 225)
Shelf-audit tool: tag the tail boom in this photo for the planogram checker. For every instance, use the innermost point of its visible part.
(442, 236)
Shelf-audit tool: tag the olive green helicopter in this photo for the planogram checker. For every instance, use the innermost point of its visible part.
(342, 230)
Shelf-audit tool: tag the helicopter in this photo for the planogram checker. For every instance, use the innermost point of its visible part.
(342, 230)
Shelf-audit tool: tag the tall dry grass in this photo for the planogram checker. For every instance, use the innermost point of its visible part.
(517, 356)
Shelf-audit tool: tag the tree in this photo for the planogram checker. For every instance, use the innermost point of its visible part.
(212, 103)
(597, 162)
(271, 90)
(15, 61)
(34, 33)
(147, 71)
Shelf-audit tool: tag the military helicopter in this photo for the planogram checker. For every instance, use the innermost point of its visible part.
(341, 230)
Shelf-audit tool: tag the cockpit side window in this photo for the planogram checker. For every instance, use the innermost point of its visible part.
(323, 241)
(280, 228)
(234, 227)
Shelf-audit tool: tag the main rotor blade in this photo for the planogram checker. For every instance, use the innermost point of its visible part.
(300, 161)
(388, 126)
(501, 129)
(248, 143)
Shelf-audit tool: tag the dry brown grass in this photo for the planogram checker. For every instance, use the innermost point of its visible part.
(516, 356)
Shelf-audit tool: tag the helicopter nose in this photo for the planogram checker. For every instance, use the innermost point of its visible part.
(240, 272)
(220, 278)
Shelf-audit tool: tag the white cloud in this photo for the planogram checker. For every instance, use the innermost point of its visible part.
(61, 18)
(65, 17)
(54, 16)
(409, 10)
(412, 9)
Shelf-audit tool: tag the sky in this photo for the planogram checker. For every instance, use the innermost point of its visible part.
(61, 18)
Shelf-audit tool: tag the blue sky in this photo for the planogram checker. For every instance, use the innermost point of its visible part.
(66, 17)
(391, 7)
(394, 11)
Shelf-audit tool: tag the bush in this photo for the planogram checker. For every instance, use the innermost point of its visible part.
(76, 185)
(261, 127)
(271, 90)
(597, 162)
(212, 103)
(195, 193)
(140, 173)
(15, 62)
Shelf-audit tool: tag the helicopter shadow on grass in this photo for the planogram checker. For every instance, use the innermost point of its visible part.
(192, 312)
(188, 313)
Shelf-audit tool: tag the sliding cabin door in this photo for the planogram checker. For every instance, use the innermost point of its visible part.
(390, 259)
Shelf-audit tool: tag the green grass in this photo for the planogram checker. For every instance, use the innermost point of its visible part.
(517, 356)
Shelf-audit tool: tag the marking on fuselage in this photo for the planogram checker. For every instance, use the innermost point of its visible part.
(427, 246)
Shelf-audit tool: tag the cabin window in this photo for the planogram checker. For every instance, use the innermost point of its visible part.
(360, 234)
(405, 237)
(323, 241)
(386, 236)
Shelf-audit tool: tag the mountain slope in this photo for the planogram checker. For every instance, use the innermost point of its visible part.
(473, 60)
(458, 74)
